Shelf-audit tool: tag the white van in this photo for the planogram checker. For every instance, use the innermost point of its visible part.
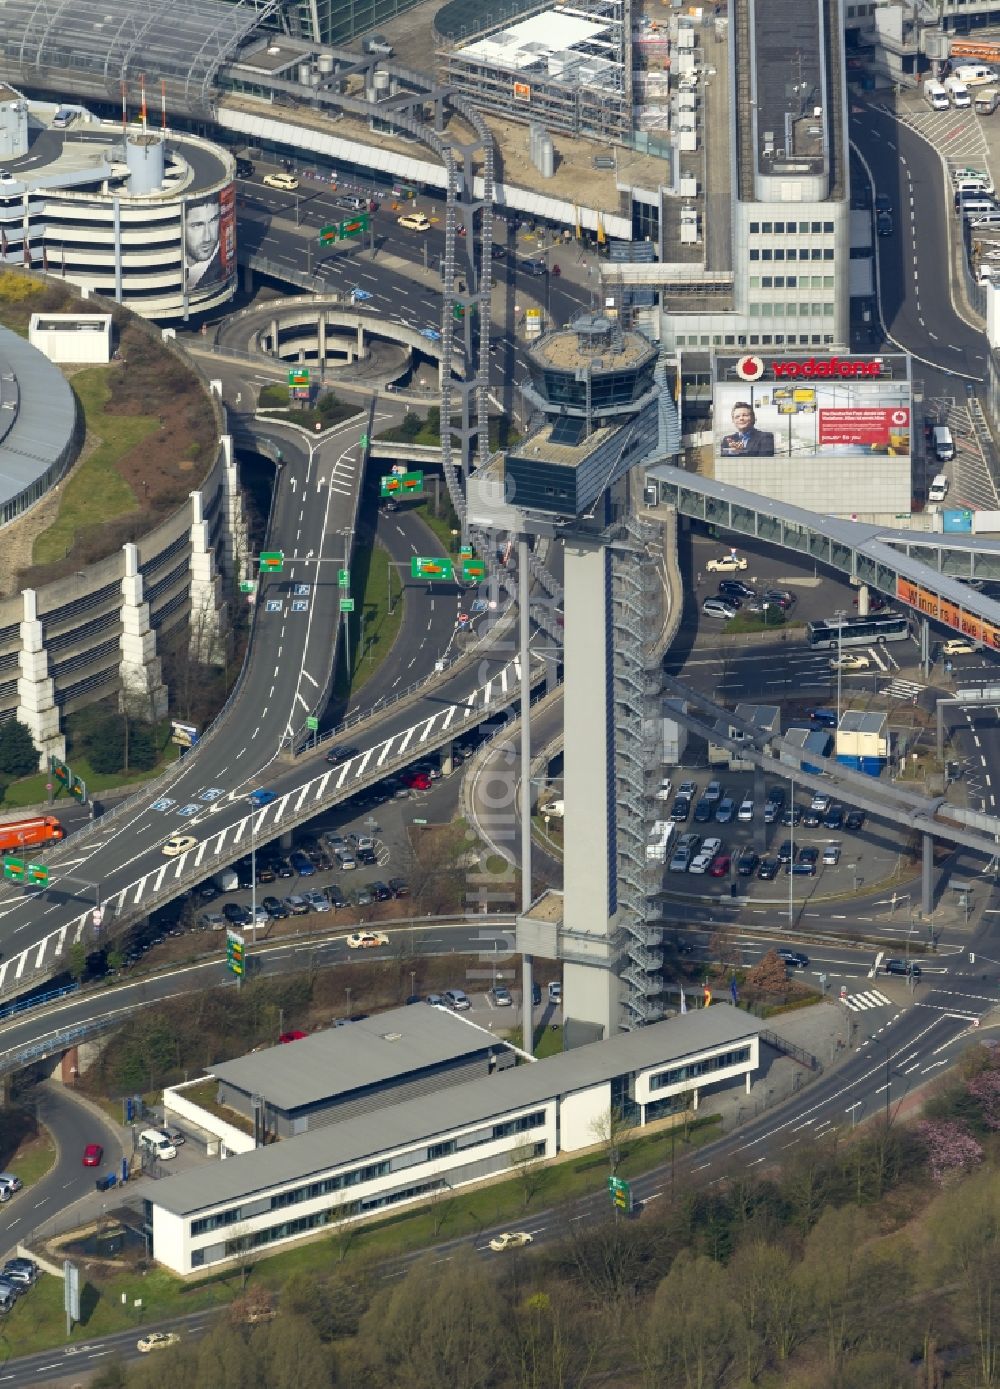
(944, 444)
(976, 177)
(967, 185)
(985, 219)
(974, 75)
(157, 1143)
(936, 96)
(958, 93)
(228, 880)
(938, 489)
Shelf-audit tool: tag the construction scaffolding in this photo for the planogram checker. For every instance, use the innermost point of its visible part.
(568, 69)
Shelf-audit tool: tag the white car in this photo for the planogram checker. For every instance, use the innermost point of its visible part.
(179, 844)
(701, 862)
(960, 646)
(662, 792)
(850, 662)
(414, 221)
(366, 940)
(726, 564)
(831, 854)
(510, 1240)
(745, 811)
(157, 1340)
(286, 182)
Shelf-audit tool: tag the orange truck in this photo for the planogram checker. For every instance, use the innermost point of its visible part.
(981, 51)
(40, 830)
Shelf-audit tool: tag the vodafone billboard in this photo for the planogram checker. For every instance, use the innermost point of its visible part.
(812, 405)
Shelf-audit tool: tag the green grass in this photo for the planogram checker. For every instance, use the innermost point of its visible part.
(30, 790)
(95, 491)
(35, 1159)
(371, 575)
(442, 525)
(756, 622)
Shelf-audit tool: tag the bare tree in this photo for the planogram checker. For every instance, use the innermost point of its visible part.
(532, 1175)
(613, 1131)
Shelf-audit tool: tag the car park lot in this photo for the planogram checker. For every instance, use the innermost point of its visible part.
(832, 849)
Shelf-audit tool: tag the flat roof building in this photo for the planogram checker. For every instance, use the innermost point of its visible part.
(460, 1134)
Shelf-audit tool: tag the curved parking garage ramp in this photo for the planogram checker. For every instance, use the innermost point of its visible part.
(876, 556)
(38, 425)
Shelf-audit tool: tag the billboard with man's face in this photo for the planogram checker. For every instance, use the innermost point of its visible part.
(209, 239)
(811, 407)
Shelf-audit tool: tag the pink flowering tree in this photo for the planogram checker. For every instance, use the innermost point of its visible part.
(951, 1148)
(985, 1090)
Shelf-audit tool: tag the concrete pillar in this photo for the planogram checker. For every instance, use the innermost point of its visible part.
(36, 705)
(321, 339)
(748, 1082)
(285, 842)
(927, 875)
(247, 280)
(694, 1101)
(447, 759)
(206, 590)
(361, 342)
(140, 668)
(275, 337)
(864, 594)
(236, 539)
(441, 374)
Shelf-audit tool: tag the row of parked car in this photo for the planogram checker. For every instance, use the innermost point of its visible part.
(734, 595)
(715, 804)
(18, 1276)
(323, 899)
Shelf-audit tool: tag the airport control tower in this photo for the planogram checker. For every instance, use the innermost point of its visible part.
(605, 407)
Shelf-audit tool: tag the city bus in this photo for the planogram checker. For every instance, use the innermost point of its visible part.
(40, 830)
(858, 631)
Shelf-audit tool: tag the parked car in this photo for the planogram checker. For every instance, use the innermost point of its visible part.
(704, 810)
(265, 872)
(689, 789)
(713, 791)
(792, 816)
(288, 184)
(318, 900)
(244, 168)
(778, 598)
(834, 818)
(237, 915)
(297, 906)
(337, 898)
(381, 892)
(812, 818)
(417, 781)
(725, 810)
(719, 866)
(735, 588)
(275, 908)
(809, 854)
(302, 864)
(726, 564)
(747, 863)
(831, 854)
(786, 851)
(768, 868)
(855, 821)
(802, 868)
(555, 991)
(363, 897)
(681, 809)
(502, 997)
(745, 812)
(718, 607)
(400, 887)
(414, 221)
(457, 999)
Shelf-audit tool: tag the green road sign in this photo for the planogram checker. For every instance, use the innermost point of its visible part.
(423, 568)
(343, 578)
(14, 869)
(37, 873)
(234, 952)
(347, 605)
(248, 586)
(465, 551)
(78, 789)
(328, 234)
(400, 484)
(59, 771)
(271, 561)
(621, 1193)
(312, 723)
(298, 376)
(339, 231)
(473, 569)
(363, 441)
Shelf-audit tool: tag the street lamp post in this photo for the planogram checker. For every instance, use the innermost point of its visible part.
(791, 861)
(840, 614)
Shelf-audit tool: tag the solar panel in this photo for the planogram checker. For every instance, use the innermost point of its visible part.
(568, 430)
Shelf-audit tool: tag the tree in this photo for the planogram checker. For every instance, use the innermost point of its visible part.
(76, 961)
(531, 1172)
(18, 754)
(985, 1090)
(769, 975)
(294, 1356)
(692, 1329)
(411, 425)
(554, 1339)
(951, 1149)
(613, 1130)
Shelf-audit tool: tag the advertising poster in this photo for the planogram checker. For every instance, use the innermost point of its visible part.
(810, 408)
(209, 239)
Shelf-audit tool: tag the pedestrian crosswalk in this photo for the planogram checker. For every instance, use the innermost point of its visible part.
(870, 998)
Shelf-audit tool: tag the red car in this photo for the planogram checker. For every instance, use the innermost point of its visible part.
(417, 781)
(295, 1036)
(719, 866)
(93, 1155)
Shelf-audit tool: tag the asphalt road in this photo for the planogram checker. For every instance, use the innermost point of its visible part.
(914, 283)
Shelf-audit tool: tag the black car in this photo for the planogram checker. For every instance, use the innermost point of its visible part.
(381, 892)
(746, 863)
(536, 994)
(778, 598)
(834, 818)
(337, 898)
(681, 809)
(792, 816)
(785, 851)
(855, 820)
(883, 223)
(795, 958)
(400, 887)
(735, 588)
(809, 854)
(244, 872)
(244, 168)
(265, 872)
(343, 753)
(275, 908)
(236, 915)
(499, 252)
(803, 869)
(767, 869)
(366, 856)
(902, 967)
(704, 810)
(812, 819)
(206, 892)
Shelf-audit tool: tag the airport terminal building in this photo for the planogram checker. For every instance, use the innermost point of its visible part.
(408, 1122)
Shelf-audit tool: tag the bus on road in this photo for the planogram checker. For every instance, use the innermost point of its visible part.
(858, 631)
